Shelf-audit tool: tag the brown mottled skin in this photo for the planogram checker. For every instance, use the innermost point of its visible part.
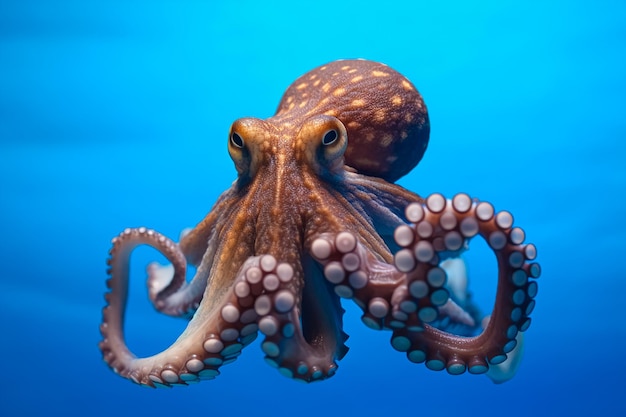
(323, 165)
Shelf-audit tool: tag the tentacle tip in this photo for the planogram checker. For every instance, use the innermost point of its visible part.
(184, 233)
(506, 370)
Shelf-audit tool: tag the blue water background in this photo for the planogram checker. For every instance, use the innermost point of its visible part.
(115, 114)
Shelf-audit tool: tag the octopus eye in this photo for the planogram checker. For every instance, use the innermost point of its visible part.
(330, 137)
(236, 140)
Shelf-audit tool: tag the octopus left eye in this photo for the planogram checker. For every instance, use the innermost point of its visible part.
(236, 140)
(330, 137)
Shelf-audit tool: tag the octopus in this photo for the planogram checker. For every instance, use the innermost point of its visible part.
(314, 216)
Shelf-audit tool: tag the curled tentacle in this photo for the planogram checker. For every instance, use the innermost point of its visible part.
(182, 302)
(440, 229)
(186, 299)
(414, 291)
(214, 336)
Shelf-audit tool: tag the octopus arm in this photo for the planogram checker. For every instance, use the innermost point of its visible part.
(407, 296)
(306, 341)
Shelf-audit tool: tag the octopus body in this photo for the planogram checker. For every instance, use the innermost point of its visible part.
(314, 216)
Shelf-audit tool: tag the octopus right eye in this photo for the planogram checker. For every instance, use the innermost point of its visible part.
(330, 137)
(236, 140)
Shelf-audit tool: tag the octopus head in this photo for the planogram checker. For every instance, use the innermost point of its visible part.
(317, 145)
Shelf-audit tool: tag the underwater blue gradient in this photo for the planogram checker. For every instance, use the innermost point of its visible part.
(115, 114)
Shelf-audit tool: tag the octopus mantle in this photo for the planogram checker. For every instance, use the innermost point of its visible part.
(314, 216)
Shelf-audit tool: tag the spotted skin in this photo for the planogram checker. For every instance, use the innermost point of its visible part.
(388, 126)
(315, 216)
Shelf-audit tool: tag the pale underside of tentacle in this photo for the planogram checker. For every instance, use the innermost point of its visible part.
(413, 292)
